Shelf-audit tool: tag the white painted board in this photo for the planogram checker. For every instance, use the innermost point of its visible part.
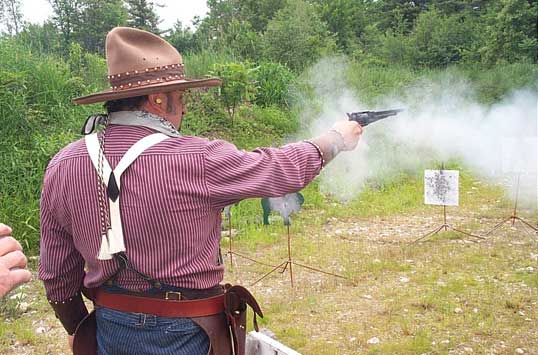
(441, 187)
(261, 344)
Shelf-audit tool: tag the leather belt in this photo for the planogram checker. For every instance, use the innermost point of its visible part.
(177, 295)
(160, 307)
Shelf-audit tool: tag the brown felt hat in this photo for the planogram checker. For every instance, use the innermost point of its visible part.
(141, 63)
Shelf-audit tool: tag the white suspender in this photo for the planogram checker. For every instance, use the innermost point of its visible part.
(114, 243)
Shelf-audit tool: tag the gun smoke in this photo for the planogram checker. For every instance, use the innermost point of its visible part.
(443, 123)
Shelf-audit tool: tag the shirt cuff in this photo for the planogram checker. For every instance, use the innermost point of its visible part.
(70, 312)
(320, 152)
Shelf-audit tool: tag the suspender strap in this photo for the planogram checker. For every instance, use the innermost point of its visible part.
(113, 242)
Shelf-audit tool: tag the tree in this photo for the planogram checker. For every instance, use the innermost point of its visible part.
(452, 7)
(259, 12)
(11, 15)
(99, 17)
(397, 15)
(242, 40)
(142, 15)
(237, 25)
(221, 14)
(87, 21)
(440, 40)
(41, 38)
(511, 32)
(182, 38)
(297, 36)
(66, 18)
(347, 19)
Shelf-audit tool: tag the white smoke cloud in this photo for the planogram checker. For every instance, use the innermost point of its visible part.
(443, 121)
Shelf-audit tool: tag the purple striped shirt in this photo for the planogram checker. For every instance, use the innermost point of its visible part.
(171, 201)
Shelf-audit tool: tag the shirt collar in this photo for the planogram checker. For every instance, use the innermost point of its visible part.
(131, 118)
(145, 119)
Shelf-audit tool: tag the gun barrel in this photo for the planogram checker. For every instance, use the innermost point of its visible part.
(364, 118)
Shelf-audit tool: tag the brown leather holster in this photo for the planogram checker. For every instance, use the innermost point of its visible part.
(226, 330)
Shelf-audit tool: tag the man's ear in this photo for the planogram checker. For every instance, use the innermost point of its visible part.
(157, 103)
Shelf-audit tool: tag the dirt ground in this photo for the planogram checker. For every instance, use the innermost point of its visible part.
(444, 295)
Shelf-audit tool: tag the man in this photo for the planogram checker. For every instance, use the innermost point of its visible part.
(12, 262)
(152, 260)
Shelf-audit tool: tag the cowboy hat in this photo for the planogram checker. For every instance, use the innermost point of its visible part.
(141, 63)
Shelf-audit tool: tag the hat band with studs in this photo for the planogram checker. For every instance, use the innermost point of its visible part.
(148, 76)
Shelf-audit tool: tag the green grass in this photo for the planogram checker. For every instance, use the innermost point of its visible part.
(328, 316)
(458, 295)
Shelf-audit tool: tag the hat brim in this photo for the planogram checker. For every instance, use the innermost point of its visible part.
(183, 84)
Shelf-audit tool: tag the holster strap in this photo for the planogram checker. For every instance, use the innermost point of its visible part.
(235, 307)
(159, 307)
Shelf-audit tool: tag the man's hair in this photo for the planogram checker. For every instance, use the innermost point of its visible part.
(128, 104)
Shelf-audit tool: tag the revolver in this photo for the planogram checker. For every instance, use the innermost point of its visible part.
(364, 118)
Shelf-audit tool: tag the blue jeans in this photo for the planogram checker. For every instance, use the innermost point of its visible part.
(120, 333)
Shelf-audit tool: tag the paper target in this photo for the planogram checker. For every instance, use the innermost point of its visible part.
(441, 187)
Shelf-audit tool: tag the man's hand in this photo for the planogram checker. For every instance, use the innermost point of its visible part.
(12, 262)
(350, 131)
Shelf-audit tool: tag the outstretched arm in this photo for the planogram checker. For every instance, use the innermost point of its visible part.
(233, 175)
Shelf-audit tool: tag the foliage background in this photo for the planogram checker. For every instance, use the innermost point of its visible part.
(262, 49)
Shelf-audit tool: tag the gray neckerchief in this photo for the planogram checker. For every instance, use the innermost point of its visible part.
(131, 118)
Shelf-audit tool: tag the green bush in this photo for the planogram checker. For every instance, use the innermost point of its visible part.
(494, 83)
(182, 38)
(206, 115)
(281, 123)
(238, 84)
(440, 40)
(37, 119)
(95, 72)
(274, 81)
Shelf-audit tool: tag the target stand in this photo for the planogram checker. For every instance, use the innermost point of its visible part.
(441, 188)
(515, 218)
(445, 227)
(289, 263)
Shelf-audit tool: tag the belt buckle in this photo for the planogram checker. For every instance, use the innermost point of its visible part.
(168, 293)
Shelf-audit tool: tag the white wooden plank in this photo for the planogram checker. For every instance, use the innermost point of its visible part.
(261, 344)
